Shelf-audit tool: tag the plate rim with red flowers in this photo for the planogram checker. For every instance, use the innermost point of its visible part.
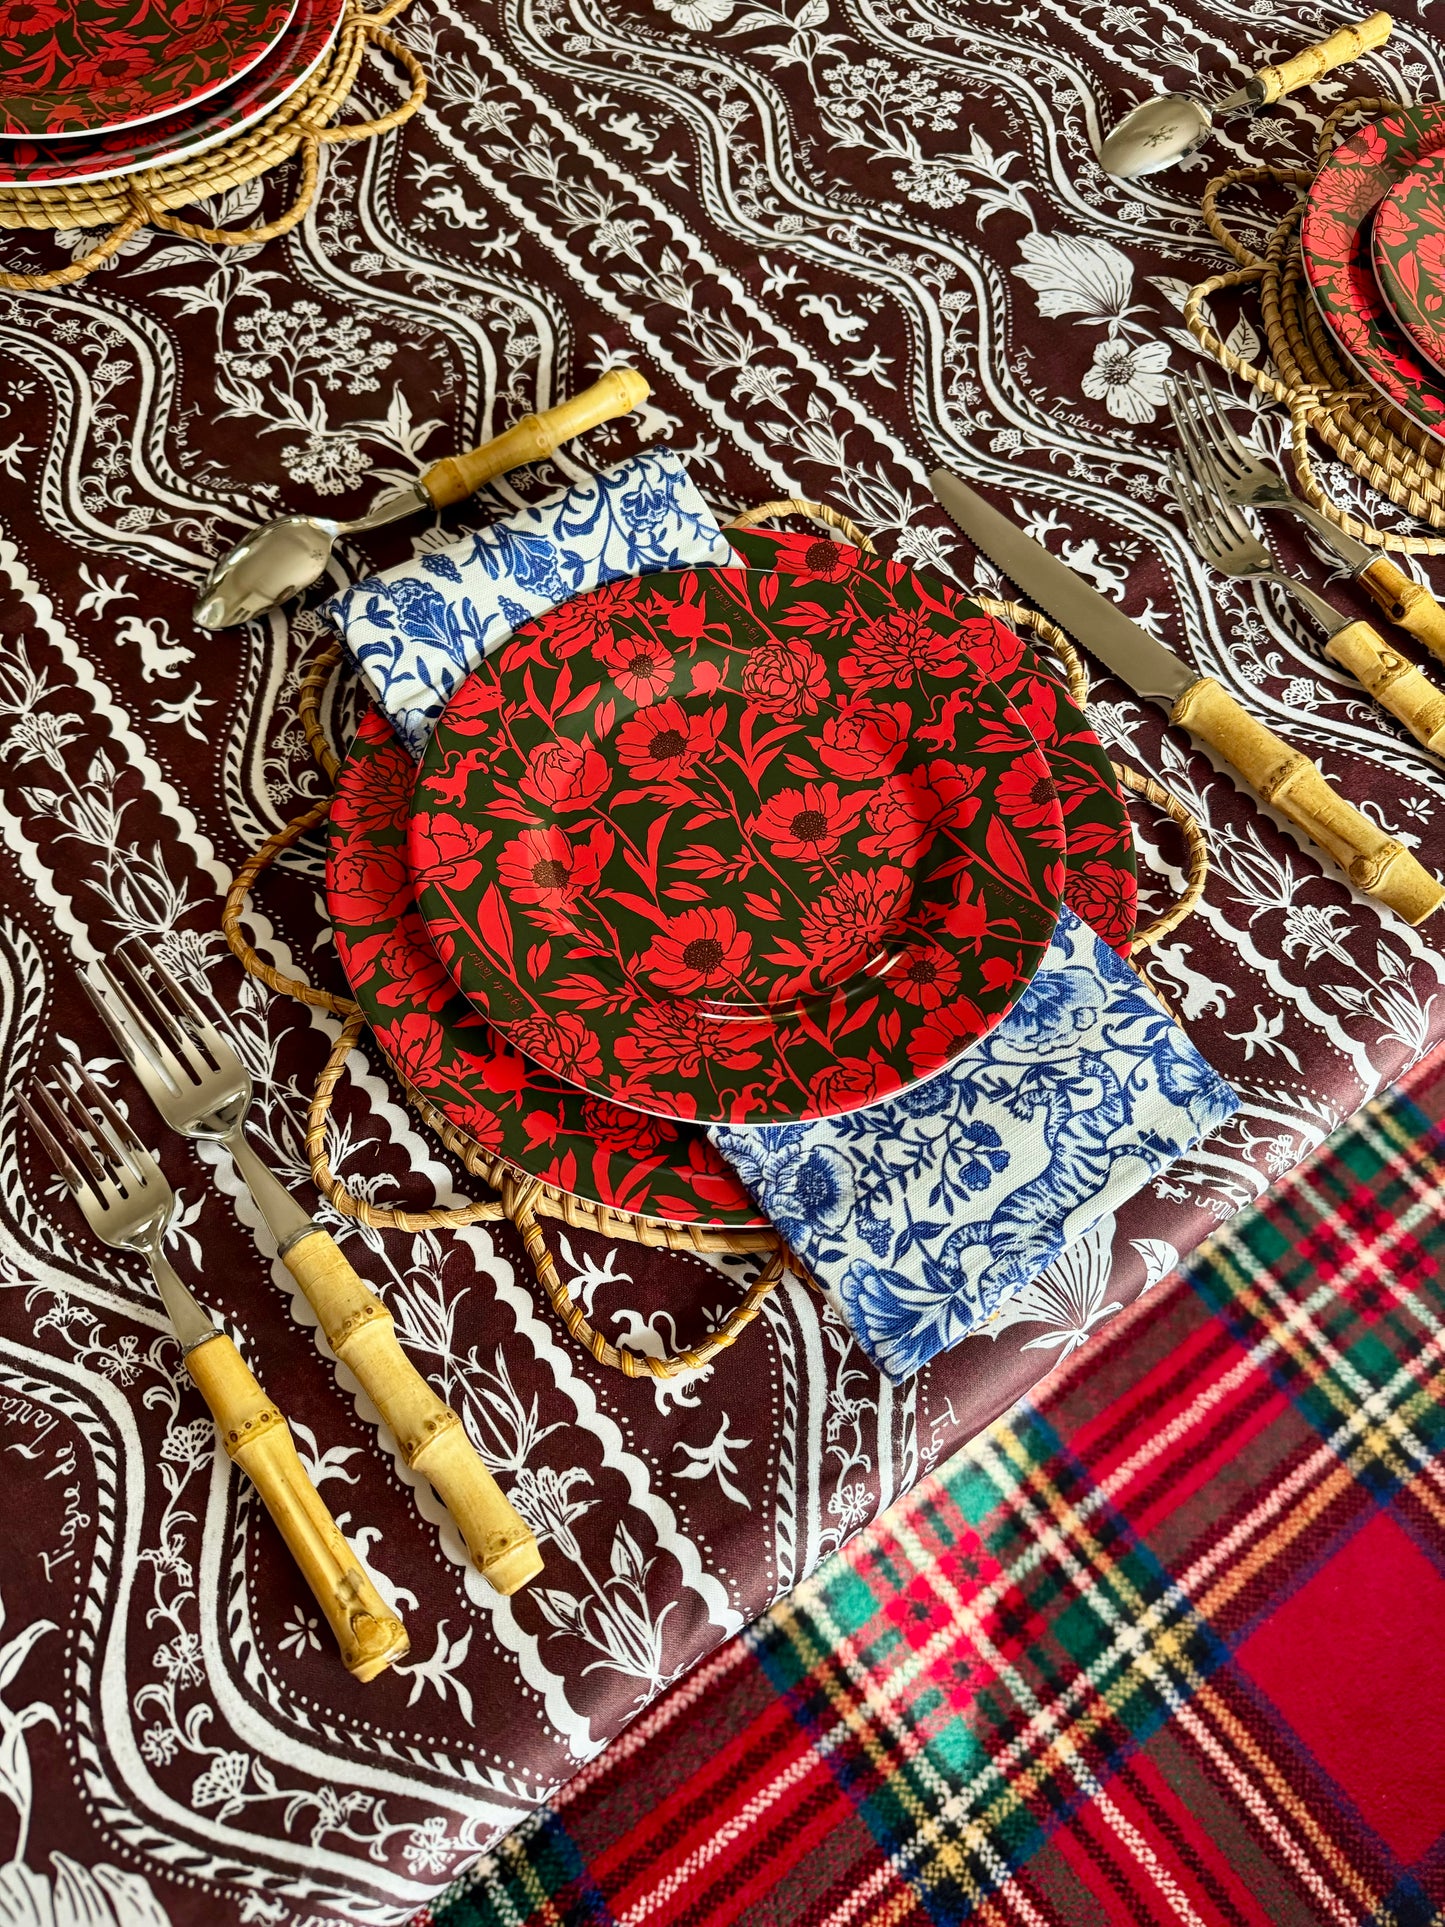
(662, 995)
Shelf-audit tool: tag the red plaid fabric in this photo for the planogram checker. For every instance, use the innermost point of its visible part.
(1167, 1644)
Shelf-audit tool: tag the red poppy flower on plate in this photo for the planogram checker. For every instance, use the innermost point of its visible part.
(642, 665)
(943, 1034)
(365, 886)
(925, 975)
(821, 561)
(563, 1044)
(851, 1083)
(414, 1045)
(914, 804)
(804, 826)
(21, 17)
(852, 918)
(446, 850)
(566, 775)
(1026, 794)
(112, 66)
(896, 648)
(666, 1041)
(543, 865)
(863, 738)
(699, 950)
(785, 679)
(622, 1132)
(665, 741)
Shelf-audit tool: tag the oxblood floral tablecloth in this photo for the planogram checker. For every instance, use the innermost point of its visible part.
(847, 238)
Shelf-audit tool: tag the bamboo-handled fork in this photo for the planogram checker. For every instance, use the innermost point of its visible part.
(1248, 481)
(129, 1205)
(196, 1080)
(1227, 543)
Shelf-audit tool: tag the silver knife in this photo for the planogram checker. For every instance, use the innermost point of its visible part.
(1378, 865)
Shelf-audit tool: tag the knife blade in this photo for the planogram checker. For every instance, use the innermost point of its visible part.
(1378, 865)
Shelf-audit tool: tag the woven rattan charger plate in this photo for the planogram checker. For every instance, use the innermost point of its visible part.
(1323, 394)
(304, 124)
(520, 1197)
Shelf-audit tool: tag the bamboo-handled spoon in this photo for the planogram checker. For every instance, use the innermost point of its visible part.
(1159, 132)
(283, 558)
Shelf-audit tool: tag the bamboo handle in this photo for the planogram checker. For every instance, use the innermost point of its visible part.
(617, 393)
(1343, 46)
(256, 1436)
(361, 1332)
(1375, 863)
(1394, 682)
(1406, 602)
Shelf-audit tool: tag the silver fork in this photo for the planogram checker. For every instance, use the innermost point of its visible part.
(129, 1205)
(195, 1078)
(1225, 540)
(1249, 481)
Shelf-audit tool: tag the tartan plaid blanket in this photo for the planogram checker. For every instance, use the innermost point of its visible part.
(1166, 1644)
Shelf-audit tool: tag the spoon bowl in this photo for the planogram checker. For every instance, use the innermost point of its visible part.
(1155, 135)
(270, 566)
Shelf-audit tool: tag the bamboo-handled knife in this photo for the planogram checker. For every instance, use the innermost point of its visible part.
(1376, 864)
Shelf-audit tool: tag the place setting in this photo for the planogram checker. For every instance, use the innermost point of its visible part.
(752, 827)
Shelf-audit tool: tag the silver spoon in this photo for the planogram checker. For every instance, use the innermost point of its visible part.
(1159, 132)
(282, 558)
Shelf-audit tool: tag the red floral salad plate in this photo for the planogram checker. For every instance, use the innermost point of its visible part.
(190, 130)
(1100, 880)
(735, 847)
(1335, 247)
(1407, 246)
(72, 67)
(612, 1155)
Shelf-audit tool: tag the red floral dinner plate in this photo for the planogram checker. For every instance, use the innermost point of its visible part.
(728, 846)
(657, 1167)
(1100, 880)
(1407, 246)
(191, 130)
(91, 66)
(1335, 247)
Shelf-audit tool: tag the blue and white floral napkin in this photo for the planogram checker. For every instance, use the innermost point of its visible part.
(419, 630)
(921, 1215)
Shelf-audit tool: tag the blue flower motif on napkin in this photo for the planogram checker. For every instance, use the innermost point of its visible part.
(922, 1214)
(419, 630)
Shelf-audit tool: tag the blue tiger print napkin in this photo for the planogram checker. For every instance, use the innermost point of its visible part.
(419, 630)
(920, 1215)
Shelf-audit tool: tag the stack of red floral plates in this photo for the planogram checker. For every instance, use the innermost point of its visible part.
(97, 88)
(1373, 246)
(748, 846)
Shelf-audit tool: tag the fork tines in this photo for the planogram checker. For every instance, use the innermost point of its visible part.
(96, 1151)
(1197, 412)
(154, 1033)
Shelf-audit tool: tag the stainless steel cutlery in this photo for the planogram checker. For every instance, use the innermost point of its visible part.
(1246, 479)
(195, 1078)
(1377, 864)
(128, 1204)
(1227, 543)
